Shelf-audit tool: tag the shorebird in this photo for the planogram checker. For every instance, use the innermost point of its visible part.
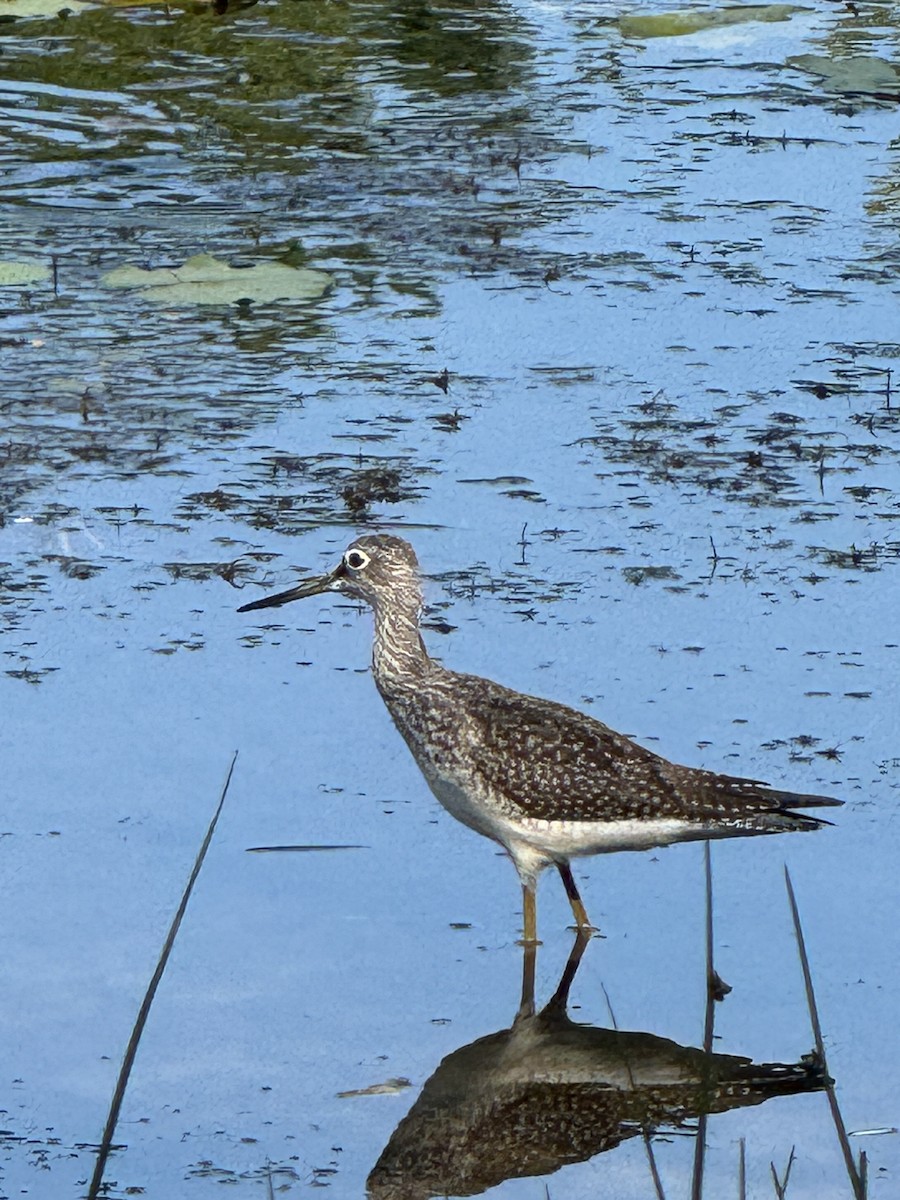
(547, 782)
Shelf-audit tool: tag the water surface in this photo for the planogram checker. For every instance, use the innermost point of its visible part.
(612, 340)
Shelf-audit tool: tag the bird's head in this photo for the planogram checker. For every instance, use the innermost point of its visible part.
(376, 568)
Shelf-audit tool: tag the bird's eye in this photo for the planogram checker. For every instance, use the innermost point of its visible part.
(356, 560)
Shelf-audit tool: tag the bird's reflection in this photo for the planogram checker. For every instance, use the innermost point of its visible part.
(546, 1092)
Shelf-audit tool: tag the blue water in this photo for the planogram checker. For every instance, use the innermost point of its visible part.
(661, 278)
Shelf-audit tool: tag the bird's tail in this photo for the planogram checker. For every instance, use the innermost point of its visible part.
(771, 1079)
(785, 817)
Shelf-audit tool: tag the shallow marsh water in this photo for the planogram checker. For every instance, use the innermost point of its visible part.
(611, 340)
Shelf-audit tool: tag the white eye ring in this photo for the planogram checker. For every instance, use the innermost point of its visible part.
(356, 560)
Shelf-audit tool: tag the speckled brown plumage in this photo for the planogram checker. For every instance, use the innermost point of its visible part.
(545, 761)
(547, 782)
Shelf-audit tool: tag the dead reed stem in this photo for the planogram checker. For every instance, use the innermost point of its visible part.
(708, 1026)
(144, 1011)
(857, 1177)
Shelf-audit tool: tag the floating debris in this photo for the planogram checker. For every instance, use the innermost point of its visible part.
(390, 1087)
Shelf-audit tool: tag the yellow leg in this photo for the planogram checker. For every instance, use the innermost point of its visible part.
(529, 908)
(582, 920)
(529, 959)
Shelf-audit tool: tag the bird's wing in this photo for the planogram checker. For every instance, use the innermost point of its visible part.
(542, 756)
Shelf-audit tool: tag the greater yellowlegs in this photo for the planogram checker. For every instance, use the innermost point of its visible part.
(547, 782)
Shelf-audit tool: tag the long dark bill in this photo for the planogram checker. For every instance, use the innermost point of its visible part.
(309, 587)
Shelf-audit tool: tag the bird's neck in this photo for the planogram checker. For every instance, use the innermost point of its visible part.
(398, 652)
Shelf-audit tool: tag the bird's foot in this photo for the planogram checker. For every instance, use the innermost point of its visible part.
(586, 930)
